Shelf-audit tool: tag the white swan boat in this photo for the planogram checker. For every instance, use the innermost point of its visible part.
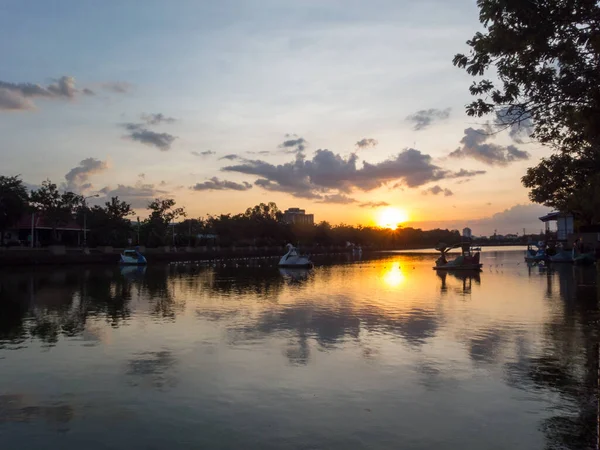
(132, 257)
(293, 259)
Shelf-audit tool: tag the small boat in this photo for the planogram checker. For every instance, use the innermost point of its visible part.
(562, 256)
(580, 257)
(536, 252)
(132, 257)
(293, 259)
(467, 260)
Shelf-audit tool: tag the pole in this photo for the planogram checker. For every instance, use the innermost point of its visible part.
(84, 224)
(32, 229)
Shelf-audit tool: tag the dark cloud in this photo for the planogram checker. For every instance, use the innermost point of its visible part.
(204, 153)
(373, 204)
(137, 132)
(214, 184)
(155, 119)
(337, 198)
(366, 143)
(464, 173)
(138, 196)
(78, 177)
(297, 145)
(474, 146)
(425, 117)
(435, 190)
(19, 96)
(517, 121)
(230, 157)
(327, 171)
(117, 87)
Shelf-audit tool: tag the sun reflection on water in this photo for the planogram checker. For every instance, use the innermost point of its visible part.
(394, 277)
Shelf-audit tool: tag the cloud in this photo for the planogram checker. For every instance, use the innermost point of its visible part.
(511, 220)
(297, 145)
(214, 184)
(204, 153)
(138, 196)
(373, 204)
(155, 119)
(337, 198)
(78, 177)
(366, 143)
(230, 157)
(138, 132)
(425, 117)
(117, 87)
(262, 152)
(464, 173)
(474, 146)
(327, 171)
(519, 123)
(19, 96)
(435, 190)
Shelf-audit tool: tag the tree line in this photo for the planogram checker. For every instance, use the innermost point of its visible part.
(113, 223)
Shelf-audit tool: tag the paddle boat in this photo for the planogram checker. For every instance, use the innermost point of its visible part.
(580, 256)
(293, 259)
(467, 260)
(132, 257)
(562, 256)
(536, 252)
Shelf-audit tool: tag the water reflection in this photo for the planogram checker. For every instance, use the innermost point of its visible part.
(394, 276)
(392, 326)
(467, 278)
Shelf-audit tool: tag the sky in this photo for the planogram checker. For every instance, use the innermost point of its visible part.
(339, 107)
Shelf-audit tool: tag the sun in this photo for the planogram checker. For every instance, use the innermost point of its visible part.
(391, 218)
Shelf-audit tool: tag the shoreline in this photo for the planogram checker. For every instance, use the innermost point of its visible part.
(59, 255)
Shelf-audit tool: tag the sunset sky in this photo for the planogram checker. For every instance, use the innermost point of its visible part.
(337, 107)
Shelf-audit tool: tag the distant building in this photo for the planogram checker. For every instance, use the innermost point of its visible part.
(467, 233)
(298, 216)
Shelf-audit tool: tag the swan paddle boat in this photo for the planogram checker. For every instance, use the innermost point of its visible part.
(293, 259)
(132, 257)
(536, 252)
(467, 260)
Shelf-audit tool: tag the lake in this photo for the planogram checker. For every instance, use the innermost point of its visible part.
(381, 353)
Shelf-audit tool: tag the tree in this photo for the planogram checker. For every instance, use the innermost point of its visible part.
(55, 207)
(162, 213)
(547, 59)
(13, 202)
(108, 224)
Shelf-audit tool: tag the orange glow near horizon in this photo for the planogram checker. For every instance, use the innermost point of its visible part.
(391, 217)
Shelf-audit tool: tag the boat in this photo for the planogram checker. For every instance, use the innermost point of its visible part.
(132, 257)
(293, 259)
(467, 260)
(562, 256)
(536, 252)
(584, 259)
(581, 258)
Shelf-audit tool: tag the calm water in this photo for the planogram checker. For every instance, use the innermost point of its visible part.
(378, 354)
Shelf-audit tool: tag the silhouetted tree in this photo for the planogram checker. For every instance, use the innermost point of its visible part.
(13, 202)
(546, 55)
(57, 208)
